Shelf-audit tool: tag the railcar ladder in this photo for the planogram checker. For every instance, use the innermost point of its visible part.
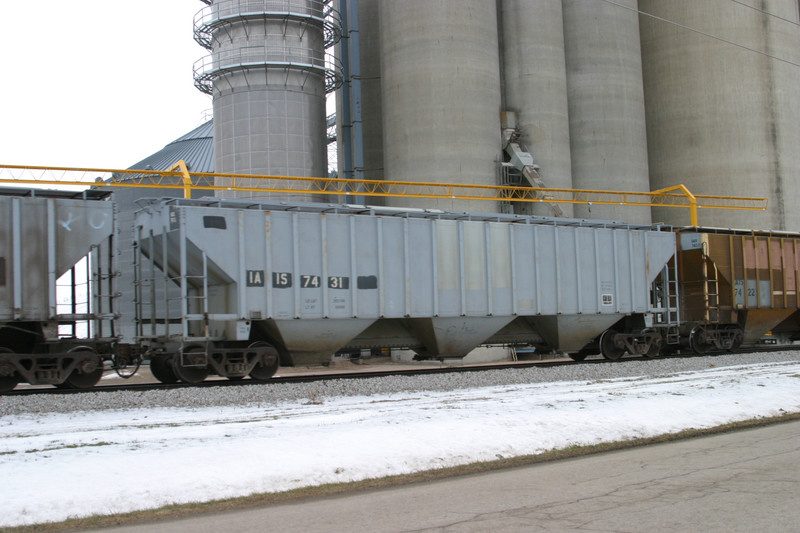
(673, 302)
(666, 302)
(710, 288)
(194, 304)
(193, 301)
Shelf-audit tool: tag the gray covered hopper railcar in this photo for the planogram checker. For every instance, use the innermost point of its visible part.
(307, 280)
(51, 331)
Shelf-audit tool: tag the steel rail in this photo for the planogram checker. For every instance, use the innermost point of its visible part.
(367, 374)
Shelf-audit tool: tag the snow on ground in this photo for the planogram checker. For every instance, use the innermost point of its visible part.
(57, 466)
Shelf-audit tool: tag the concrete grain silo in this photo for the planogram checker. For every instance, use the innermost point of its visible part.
(723, 118)
(372, 108)
(268, 76)
(441, 95)
(606, 103)
(535, 87)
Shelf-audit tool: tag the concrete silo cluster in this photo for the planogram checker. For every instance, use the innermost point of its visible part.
(725, 119)
(622, 95)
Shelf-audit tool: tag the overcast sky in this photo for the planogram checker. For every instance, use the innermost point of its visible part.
(96, 83)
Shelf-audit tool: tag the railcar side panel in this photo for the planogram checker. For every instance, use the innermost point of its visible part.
(40, 240)
(315, 281)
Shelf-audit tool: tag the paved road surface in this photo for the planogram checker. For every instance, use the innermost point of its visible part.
(743, 481)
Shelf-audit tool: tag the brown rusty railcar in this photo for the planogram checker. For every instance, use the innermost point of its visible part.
(736, 285)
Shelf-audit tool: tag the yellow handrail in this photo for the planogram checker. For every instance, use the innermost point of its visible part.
(692, 200)
(187, 178)
(179, 177)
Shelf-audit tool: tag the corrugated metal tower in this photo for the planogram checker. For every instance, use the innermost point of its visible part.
(536, 87)
(721, 118)
(441, 95)
(268, 74)
(606, 103)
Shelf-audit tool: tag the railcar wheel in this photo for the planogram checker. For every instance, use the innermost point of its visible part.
(183, 364)
(89, 371)
(7, 378)
(7, 383)
(607, 347)
(263, 372)
(578, 356)
(161, 368)
(697, 340)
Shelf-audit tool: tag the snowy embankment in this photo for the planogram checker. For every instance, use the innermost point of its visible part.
(67, 464)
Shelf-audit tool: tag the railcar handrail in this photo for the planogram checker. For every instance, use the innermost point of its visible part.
(180, 177)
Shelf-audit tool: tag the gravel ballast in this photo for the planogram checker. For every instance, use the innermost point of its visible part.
(316, 391)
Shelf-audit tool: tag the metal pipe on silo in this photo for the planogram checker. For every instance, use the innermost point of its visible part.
(535, 87)
(606, 103)
(350, 117)
(268, 74)
(371, 120)
(441, 95)
(722, 118)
